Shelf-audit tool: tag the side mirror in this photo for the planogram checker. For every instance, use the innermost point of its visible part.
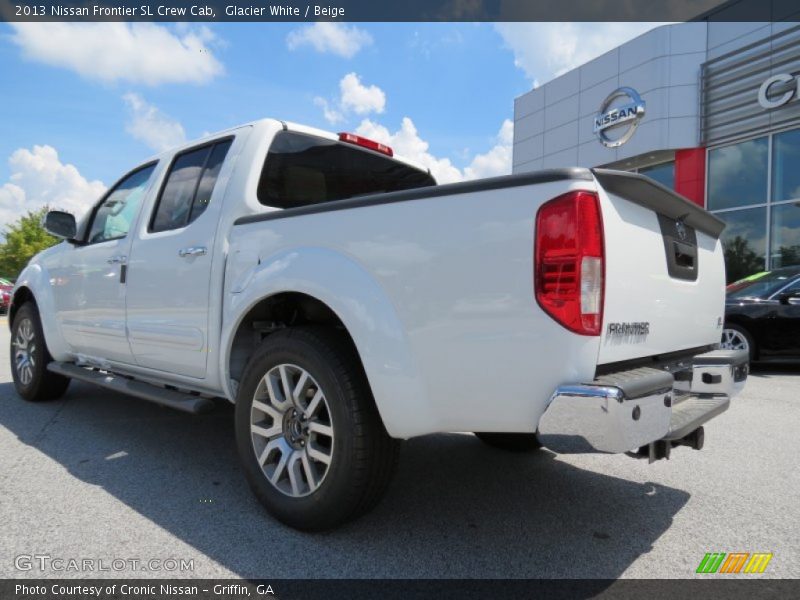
(785, 297)
(60, 224)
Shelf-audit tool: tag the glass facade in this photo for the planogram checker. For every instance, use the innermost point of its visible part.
(754, 186)
(786, 165)
(745, 241)
(737, 175)
(663, 174)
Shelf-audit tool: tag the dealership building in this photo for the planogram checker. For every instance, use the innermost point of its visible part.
(710, 109)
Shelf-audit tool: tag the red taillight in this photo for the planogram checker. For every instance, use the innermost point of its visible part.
(569, 267)
(352, 138)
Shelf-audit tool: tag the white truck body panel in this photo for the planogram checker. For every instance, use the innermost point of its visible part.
(175, 338)
(447, 325)
(682, 314)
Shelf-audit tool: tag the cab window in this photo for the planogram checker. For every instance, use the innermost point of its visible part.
(301, 170)
(115, 214)
(189, 185)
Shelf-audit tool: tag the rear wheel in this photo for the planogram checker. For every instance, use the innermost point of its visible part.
(513, 442)
(313, 446)
(29, 358)
(736, 337)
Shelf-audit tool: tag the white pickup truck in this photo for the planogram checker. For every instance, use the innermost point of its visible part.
(344, 302)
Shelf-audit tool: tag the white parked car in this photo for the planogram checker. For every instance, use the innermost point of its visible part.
(344, 302)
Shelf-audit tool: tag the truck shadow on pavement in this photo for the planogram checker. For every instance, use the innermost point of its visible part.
(457, 509)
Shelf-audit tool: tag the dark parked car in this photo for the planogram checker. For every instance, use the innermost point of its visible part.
(762, 315)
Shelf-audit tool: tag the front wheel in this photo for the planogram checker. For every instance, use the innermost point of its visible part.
(314, 449)
(29, 358)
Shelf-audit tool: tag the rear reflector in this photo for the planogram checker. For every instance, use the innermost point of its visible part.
(569, 261)
(352, 138)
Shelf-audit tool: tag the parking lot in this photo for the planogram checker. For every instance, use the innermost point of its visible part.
(102, 476)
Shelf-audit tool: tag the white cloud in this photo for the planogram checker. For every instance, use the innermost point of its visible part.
(359, 98)
(407, 143)
(354, 97)
(325, 36)
(496, 161)
(332, 115)
(39, 178)
(143, 53)
(149, 125)
(547, 50)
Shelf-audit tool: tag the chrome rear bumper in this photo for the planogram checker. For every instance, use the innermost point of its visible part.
(629, 410)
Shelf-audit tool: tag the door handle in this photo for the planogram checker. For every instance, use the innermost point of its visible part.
(119, 259)
(192, 251)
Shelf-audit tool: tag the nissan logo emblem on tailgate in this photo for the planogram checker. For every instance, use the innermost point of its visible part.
(622, 117)
(680, 229)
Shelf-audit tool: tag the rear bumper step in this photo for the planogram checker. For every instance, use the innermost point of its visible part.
(691, 413)
(627, 410)
(172, 398)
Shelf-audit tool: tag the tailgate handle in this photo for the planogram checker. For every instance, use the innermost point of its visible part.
(684, 255)
(680, 246)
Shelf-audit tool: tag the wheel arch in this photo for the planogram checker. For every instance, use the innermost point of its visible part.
(275, 312)
(21, 295)
(34, 286)
(315, 285)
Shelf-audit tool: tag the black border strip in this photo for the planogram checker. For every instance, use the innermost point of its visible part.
(407, 11)
(709, 586)
(424, 193)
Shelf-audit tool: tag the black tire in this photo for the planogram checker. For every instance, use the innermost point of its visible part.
(37, 383)
(363, 457)
(751, 344)
(513, 442)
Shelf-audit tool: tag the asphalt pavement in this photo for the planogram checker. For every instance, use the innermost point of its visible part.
(121, 482)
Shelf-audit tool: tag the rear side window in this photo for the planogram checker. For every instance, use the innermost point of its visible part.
(189, 185)
(302, 169)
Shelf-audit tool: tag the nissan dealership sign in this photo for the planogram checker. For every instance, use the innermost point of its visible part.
(751, 91)
(619, 117)
(779, 90)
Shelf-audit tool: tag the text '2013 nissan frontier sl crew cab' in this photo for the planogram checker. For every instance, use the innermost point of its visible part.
(345, 302)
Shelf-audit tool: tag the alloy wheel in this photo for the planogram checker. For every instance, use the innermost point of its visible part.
(25, 352)
(292, 430)
(734, 340)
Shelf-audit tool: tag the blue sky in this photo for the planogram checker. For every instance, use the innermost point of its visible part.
(83, 103)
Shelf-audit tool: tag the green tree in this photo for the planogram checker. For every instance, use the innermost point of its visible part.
(740, 259)
(23, 239)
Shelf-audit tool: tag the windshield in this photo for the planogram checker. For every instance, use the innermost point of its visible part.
(760, 285)
(303, 169)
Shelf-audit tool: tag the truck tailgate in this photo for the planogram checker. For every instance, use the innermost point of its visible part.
(665, 273)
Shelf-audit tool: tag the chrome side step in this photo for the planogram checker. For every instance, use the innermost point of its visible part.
(171, 398)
